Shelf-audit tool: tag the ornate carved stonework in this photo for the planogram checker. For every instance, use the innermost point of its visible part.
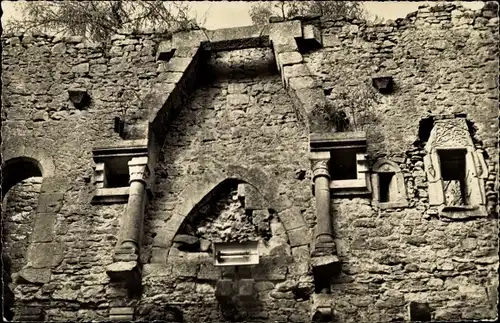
(320, 168)
(447, 137)
(138, 169)
(449, 133)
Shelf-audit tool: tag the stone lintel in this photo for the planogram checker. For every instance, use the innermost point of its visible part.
(342, 140)
(192, 38)
(232, 38)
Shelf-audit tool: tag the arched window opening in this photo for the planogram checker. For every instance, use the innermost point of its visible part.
(21, 183)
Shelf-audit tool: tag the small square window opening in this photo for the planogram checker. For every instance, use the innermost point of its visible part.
(343, 164)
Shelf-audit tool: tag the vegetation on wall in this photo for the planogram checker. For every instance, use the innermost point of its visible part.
(98, 20)
(349, 109)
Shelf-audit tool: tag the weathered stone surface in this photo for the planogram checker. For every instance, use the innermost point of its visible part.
(443, 60)
(224, 288)
(45, 254)
(36, 275)
(81, 68)
(292, 218)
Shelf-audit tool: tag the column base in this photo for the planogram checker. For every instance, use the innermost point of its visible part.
(324, 246)
(124, 271)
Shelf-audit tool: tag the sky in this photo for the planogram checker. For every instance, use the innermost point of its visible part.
(223, 14)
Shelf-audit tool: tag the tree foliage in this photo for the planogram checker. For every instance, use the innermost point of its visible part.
(98, 20)
(286, 10)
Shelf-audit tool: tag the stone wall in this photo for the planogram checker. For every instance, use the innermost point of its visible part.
(239, 126)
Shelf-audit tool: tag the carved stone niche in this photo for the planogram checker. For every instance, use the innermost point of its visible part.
(347, 162)
(455, 171)
(111, 172)
(388, 185)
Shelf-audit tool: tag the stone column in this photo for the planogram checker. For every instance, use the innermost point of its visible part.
(323, 238)
(134, 216)
(126, 267)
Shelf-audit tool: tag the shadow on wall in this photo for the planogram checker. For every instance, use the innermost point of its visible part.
(15, 171)
(162, 313)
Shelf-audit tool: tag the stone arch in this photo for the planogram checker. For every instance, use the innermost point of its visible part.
(385, 165)
(19, 163)
(265, 184)
(32, 162)
(200, 187)
(388, 181)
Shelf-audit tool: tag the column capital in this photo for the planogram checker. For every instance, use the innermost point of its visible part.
(320, 168)
(138, 169)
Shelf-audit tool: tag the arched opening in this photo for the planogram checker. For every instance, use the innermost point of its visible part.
(21, 183)
(18, 169)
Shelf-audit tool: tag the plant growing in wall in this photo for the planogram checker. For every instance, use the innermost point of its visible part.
(349, 109)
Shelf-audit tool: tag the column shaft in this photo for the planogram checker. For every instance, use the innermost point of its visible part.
(323, 238)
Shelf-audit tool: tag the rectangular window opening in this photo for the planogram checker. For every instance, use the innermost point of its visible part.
(384, 180)
(343, 164)
(453, 171)
(117, 174)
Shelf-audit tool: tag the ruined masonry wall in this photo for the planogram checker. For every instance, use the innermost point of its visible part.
(443, 60)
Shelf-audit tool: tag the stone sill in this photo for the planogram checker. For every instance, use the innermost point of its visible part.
(464, 212)
(349, 187)
(114, 195)
(391, 205)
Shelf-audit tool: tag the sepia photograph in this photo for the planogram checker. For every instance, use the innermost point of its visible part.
(250, 161)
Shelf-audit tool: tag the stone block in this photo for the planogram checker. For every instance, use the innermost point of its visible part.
(208, 271)
(300, 253)
(50, 202)
(292, 218)
(176, 64)
(124, 271)
(277, 229)
(283, 32)
(312, 34)
(81, 68)
(238, 99)
(299, 236)
(121, 311)
(228, 272)
(289, 58)
(296, 70)
(43, 230)
(269, 269)
(36, 275)
(245, 287)
(224, 288)
(170, 77)
(302, 82)
(45, 254)
(184, 268)
(192, 38)
(253, 199)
